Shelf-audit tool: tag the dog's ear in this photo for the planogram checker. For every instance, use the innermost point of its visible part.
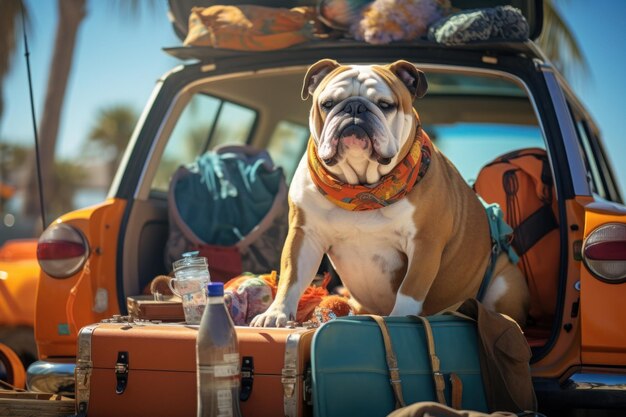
(315, 74)
(413, 78)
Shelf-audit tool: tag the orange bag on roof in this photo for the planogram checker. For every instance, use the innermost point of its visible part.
(249, 28)
(521, 182)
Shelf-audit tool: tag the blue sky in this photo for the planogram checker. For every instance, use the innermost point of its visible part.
(119, 58)
(117, 61)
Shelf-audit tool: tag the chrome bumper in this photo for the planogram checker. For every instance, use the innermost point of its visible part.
(51, 377)
(583, 390)
(597, 381)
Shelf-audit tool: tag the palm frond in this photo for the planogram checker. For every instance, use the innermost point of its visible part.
(560, 44)
(113, 127)
(130, 9)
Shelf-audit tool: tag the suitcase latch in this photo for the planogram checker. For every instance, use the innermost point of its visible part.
(307, 389)
(247, 377)
(121, 372)
(289, 382)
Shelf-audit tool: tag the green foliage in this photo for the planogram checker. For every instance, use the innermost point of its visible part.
(68, 176)
(113, 127)
(12, 157)
(131, 9)
(559, 43)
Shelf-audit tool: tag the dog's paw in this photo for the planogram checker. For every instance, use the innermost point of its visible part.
(273, 317)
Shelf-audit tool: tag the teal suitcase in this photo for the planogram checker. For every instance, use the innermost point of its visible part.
(351, 376)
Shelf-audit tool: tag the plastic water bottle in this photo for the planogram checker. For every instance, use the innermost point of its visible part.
(217, 359)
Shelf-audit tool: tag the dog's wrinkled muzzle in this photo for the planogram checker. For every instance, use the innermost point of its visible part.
(357, 119)
(356, 131)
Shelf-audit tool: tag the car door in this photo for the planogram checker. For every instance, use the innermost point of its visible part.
(603, 253)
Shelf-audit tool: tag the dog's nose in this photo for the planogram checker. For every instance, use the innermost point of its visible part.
(354, 109)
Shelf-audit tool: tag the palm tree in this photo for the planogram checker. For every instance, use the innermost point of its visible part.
(559, 43)
(71, 14)
(111, 132)
(10, 11)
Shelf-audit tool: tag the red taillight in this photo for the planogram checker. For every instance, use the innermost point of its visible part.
(604, 252)
(607, 251)
(59, 250)
(62, 250)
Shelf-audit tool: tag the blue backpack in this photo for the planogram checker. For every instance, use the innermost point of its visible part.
(231, 206)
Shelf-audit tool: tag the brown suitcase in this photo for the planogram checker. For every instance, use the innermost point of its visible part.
(149, 369)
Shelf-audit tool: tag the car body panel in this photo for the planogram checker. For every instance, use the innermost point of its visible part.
(603, 304)
(563, 351)
(66, 305)
(19, 275)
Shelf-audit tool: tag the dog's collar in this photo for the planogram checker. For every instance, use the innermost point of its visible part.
(391, 187)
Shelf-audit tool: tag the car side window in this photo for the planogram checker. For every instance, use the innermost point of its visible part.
(205, 123)
(593, 173)
(611, 186)
(598, 175)
(233, 127)
(286, 146)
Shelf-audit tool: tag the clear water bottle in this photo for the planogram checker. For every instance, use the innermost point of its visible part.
(217, 359)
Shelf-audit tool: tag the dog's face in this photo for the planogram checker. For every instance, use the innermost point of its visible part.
(362, 116)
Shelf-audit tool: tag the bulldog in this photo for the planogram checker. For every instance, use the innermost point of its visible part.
(403, 230)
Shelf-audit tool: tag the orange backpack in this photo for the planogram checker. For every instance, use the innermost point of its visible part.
(521, 183)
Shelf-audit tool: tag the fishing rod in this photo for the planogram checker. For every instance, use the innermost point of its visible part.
(32, 111)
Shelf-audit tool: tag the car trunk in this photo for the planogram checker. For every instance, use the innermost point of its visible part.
(147, 224)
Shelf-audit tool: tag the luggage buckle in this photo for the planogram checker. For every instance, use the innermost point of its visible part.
(392, 380)
(307, 392)
(247, 377)
(121, 372)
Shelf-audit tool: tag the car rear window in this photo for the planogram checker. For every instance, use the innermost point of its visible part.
(471, 115)
(205, 123)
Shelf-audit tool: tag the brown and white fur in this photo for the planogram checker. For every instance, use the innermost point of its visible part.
(423, 254)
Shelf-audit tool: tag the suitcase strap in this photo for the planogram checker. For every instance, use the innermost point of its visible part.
(392, 362)
(435, 363)
(457, 391)
(440, 383)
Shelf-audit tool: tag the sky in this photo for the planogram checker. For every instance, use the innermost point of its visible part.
(119, 57)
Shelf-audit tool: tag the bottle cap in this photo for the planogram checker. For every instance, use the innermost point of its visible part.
(216, 289)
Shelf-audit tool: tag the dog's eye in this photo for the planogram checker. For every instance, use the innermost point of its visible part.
(328, 104)
(385, 105)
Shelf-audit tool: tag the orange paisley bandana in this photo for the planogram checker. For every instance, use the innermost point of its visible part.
(391, 188)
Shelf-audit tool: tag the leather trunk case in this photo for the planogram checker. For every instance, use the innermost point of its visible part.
(146, 369)
(144, 307)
